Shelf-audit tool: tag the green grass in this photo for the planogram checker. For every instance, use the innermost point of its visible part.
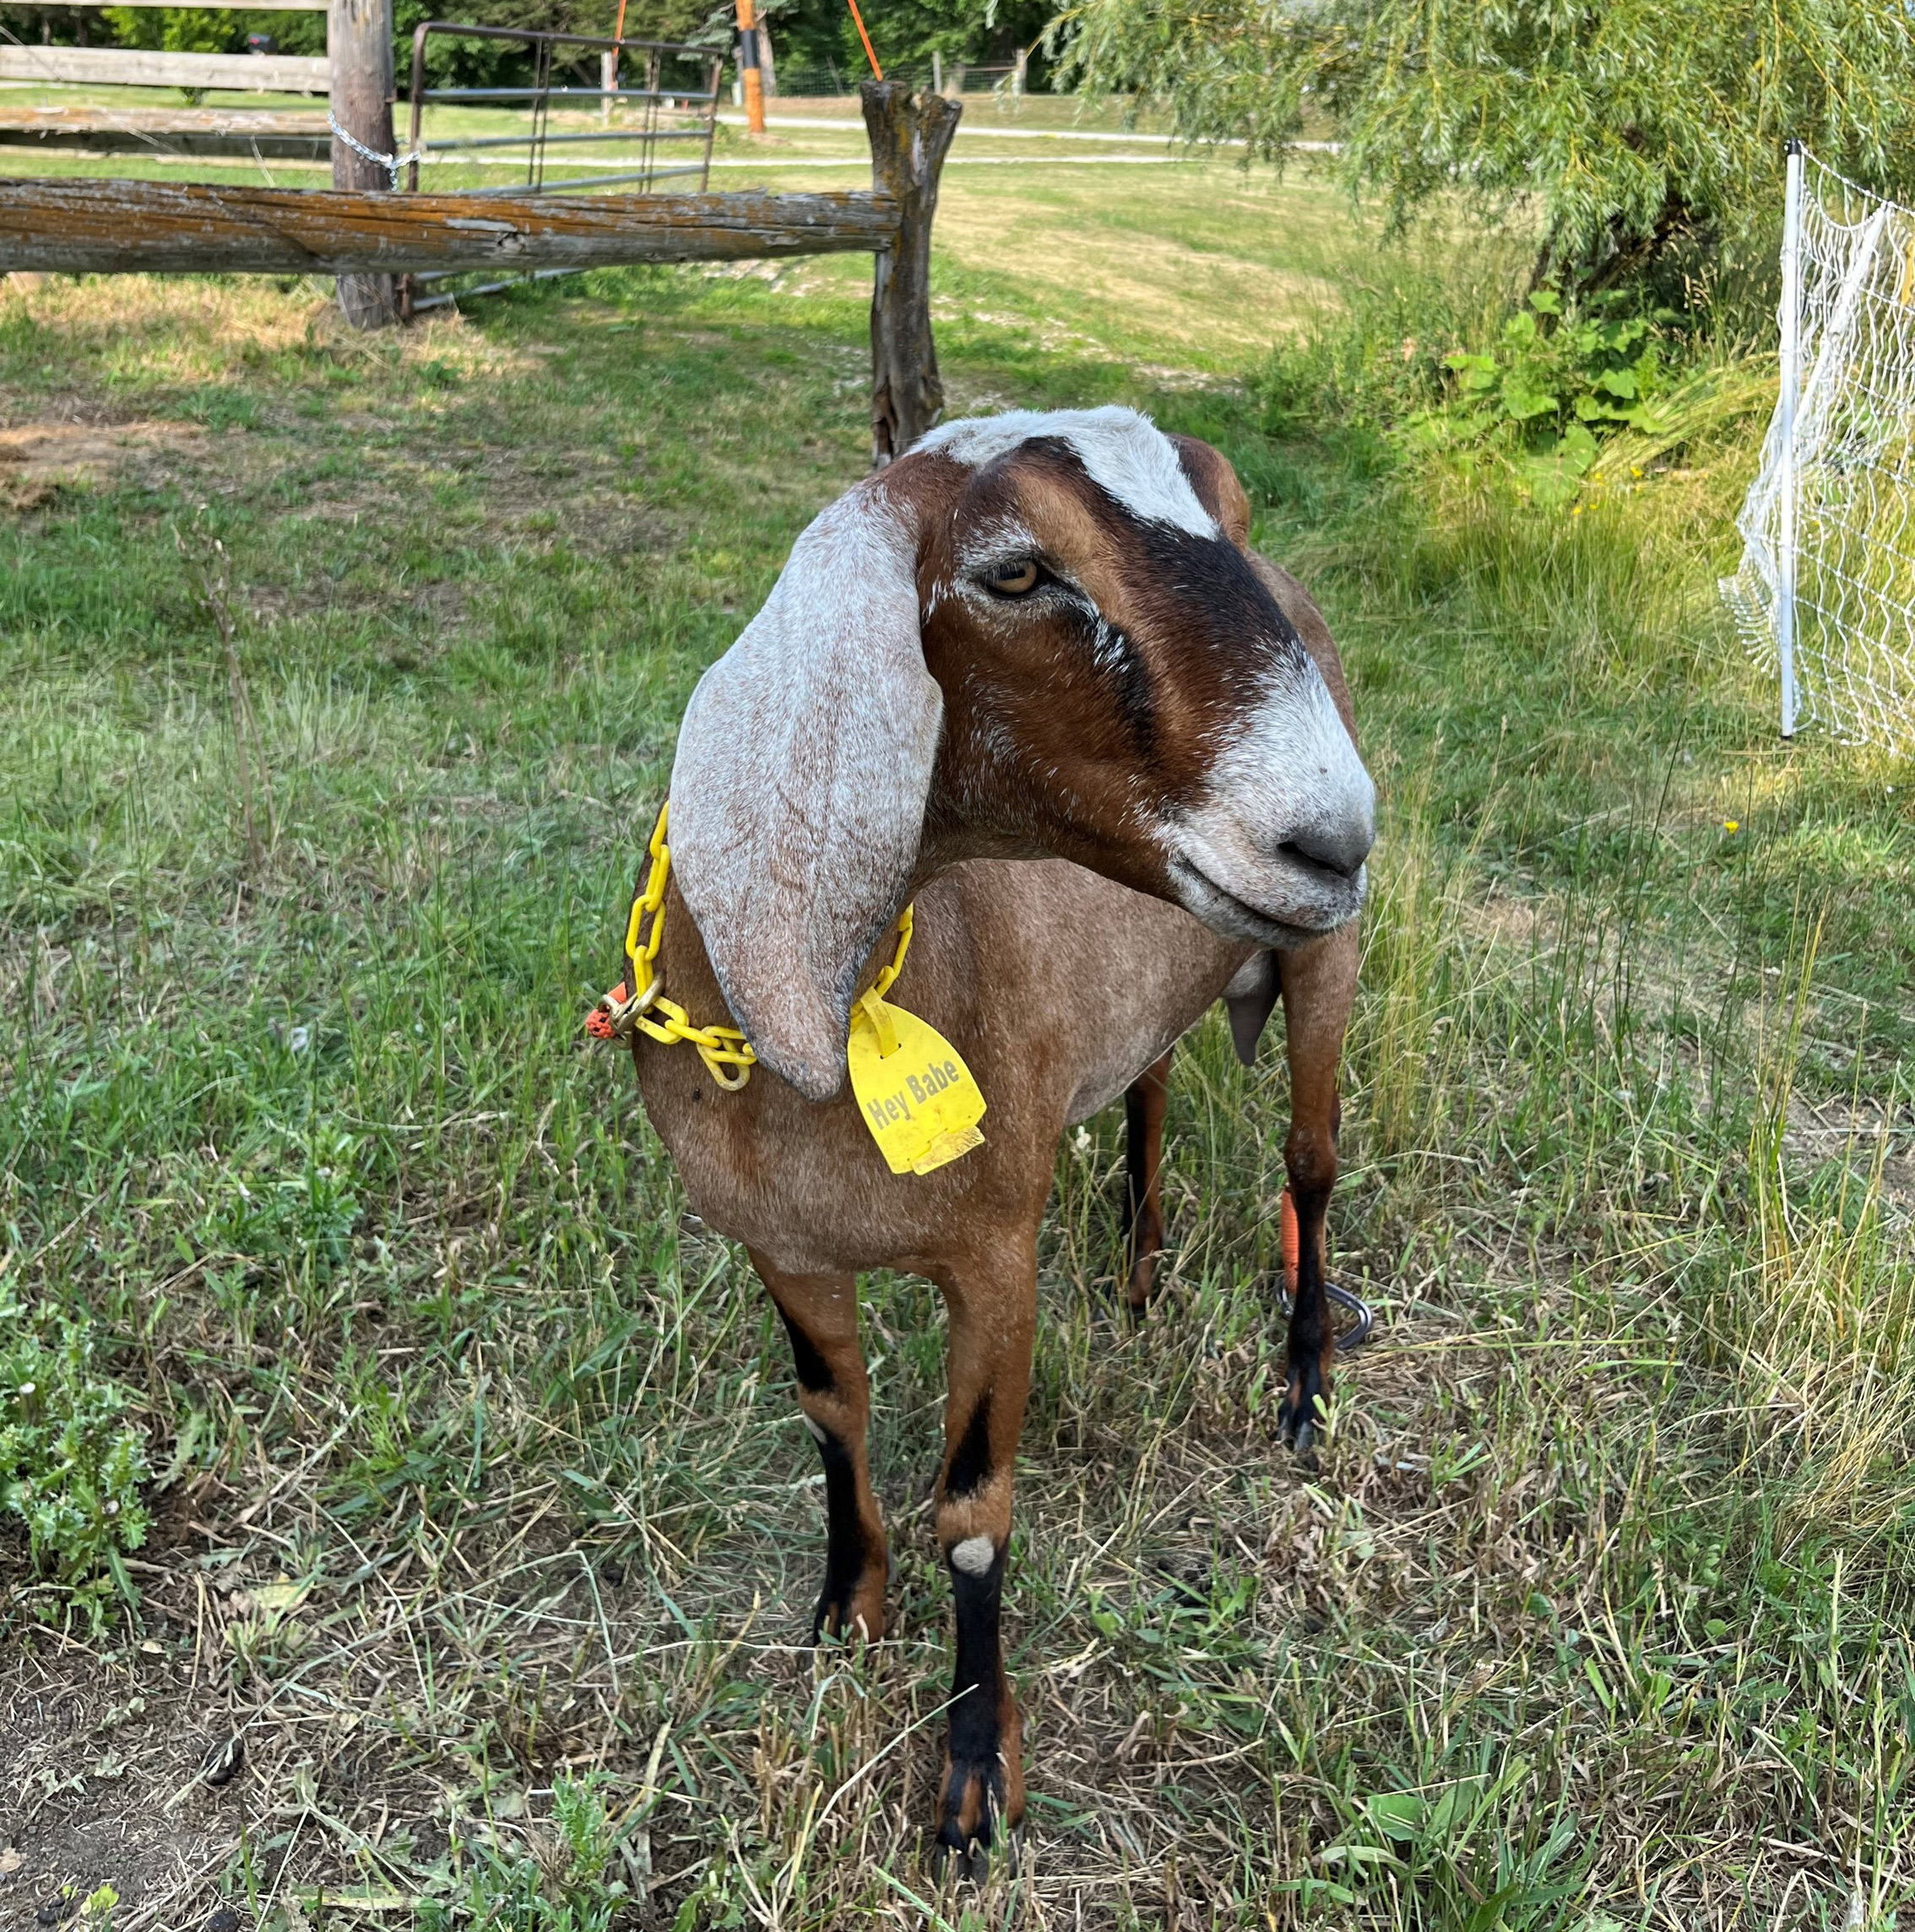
(1596, 1613)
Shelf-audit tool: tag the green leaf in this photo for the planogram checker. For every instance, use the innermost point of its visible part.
(1619, 382)
(1522, 402)
(1399, 1814)
(1551, 486)
(1473, 373)
(1546, 301)
(1578, 449)
(1593, 1672)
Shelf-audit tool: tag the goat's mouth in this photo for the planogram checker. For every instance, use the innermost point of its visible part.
(1303, 916)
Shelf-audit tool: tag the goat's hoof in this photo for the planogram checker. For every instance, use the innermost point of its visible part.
(971, 1818)
(1141, 1288)
(970, 1864)
(973, 1864)
(1303, 1415)
(851, 1613)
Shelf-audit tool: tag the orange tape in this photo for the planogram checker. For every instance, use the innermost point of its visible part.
(876, 70)
(1290, 1243)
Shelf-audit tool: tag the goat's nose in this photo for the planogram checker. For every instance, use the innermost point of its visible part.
(1340, 846)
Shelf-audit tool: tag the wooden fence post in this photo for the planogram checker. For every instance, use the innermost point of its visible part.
(910, 137)
(360, 39)
(750, 78)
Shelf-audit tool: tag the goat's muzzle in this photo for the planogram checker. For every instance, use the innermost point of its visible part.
(1274, 850)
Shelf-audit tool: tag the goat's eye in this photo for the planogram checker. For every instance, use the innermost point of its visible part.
(1019, 581)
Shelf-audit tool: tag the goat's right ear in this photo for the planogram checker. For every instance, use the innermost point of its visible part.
(798, 794)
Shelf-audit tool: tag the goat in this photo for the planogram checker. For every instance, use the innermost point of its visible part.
(1032, 678)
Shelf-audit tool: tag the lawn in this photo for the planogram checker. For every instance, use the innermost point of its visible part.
(481, 1510)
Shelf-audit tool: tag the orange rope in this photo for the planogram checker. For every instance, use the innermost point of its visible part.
(875, 69)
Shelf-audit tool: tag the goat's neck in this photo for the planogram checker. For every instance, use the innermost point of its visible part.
(687, 977)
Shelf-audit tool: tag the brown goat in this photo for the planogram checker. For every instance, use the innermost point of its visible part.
(1033, 678)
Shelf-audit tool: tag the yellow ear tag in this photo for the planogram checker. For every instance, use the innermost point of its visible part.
(916, 1093)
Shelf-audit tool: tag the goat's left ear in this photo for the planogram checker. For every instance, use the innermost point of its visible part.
(798, 794)
(1217, 488)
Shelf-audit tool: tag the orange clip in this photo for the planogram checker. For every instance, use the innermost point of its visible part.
(601, 1021)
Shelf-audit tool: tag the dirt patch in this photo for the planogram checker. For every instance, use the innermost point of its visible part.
(1863, 1133)
(38, 459)
(101, 1782)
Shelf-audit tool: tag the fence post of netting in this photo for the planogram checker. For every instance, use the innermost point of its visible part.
(1785, 469)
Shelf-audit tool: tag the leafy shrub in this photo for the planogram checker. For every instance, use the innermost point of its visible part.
(175, 29)
(71, 1464)
(1551, 385)
(1642, 140)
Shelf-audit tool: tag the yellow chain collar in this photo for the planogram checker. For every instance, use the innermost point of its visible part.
(725, 1051)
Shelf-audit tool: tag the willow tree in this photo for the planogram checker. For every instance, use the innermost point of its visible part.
(1636, 132)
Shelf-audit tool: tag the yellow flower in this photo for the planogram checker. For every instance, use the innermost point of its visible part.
(1732, 825)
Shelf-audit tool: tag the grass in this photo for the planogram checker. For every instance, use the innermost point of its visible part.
(482, 1511)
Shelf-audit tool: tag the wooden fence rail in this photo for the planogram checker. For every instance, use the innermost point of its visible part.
(144, 227)
(177, 228)
(245, 134)
(140, 66)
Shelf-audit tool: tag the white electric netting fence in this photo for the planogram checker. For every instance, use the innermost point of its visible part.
(1825, 591)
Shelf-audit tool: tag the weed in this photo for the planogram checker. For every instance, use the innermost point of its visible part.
(71, 1463)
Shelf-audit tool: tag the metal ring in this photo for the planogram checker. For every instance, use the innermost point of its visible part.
(1365, 1328)
(1365, 1316)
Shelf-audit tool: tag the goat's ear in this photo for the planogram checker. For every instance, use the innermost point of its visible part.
(1217, 488)
(1249, 999)
(798, 795)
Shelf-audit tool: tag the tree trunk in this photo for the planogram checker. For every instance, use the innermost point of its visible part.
(909, 136)
(360, 39)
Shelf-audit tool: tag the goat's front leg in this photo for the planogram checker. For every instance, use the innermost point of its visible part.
(821, 1315)
(1144, 1102)
(1319, 989)
(993, 1304)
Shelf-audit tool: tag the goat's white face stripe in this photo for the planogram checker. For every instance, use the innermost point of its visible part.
(1126, 454)
(975, 1555)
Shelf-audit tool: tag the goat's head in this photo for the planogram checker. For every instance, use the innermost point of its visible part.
(1033, 634)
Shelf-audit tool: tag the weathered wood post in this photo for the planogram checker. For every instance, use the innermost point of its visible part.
(910, 137)
(359, 37)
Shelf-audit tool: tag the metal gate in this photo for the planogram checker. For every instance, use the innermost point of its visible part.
(646, 128)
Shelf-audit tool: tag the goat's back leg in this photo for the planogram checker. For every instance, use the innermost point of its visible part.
(1144, 1102)
(1319, 990)
(992, 1299)
(821, 1316)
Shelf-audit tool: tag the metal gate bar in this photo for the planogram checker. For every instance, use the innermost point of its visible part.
(655, 98)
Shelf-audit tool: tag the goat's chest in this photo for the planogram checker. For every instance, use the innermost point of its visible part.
(802, 1183)
(1058, 987)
